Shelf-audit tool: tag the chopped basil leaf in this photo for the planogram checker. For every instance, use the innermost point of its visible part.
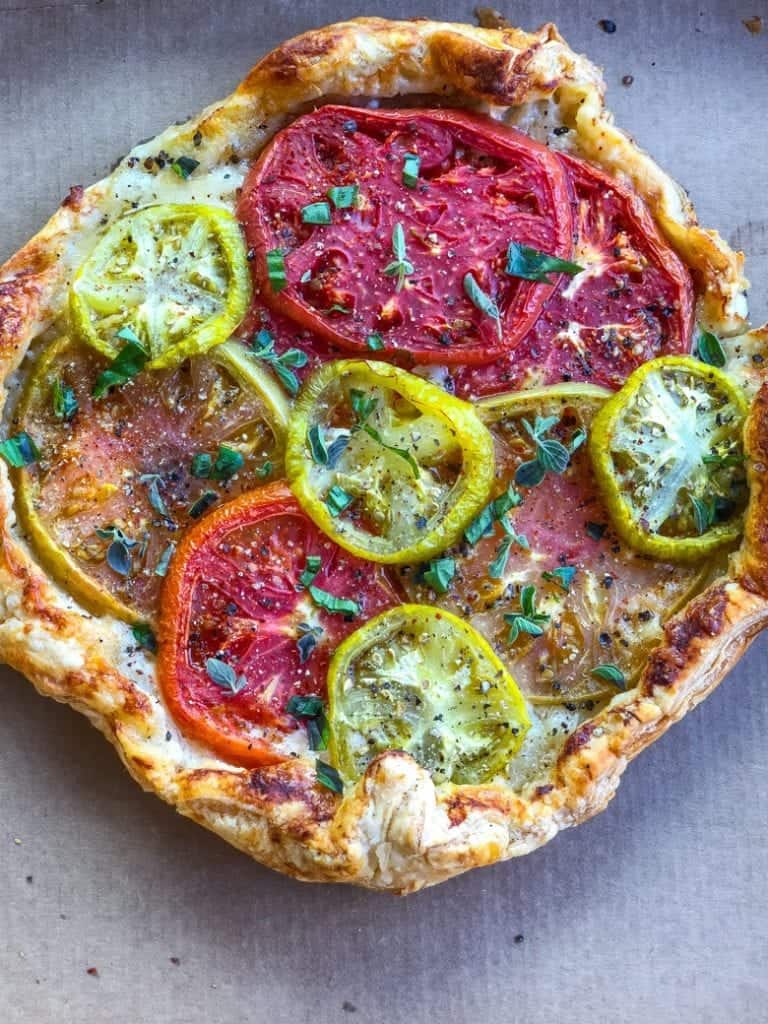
(338, 500)
(184, 165)
(311, 710)
(317, 446)
(344, 197)
(362, 405)
(19, 450)
(595, 530)
(328, 776)
(310, 570)
(316, 213)
(263, 471)
(153, 480)
(306, 643)
(709, 350)
(203, 503)
(610, 674)
(164, 560)
(400, 267)
(263, 347)
(533, 265)
(276, 270)
(562, 576)
(331, 603)
(224, 676)
(375, 342)
(65, 405)
(411, 164)
(439, 573)
(144, 637)
(227, 463)
(127, 364)
(527, 620)
(481, 301)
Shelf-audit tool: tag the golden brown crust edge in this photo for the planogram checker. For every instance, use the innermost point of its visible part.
(395, 831)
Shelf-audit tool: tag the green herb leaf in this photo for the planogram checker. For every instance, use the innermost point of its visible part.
(263, 471)
(344, 197)
(533, 265)
(310, 570)
(203, 503)
(709, 350)
(481, 301)
(596, 531)
(276, 270)
(375, 342)
(411, 165)
(562, 576)
(362, 405)
(723, 461)
(316, 443)
(228, 462)
(338, 500)
(310, 710)
(153, 480)
(65, 405)
(400, 267)
(306, 643)
(19, 450)
(331, 603)
(527, 620)
(439, 574)
(144, 637)
(704, 514)
(263, 347)
(499, 564)
(184, 165)
(127, 364)
(165, 559)
(224, 676)
(530, 474)
(495, 511)
(118, 555)
(316, 213)
(328, 776)
(610, 674)
(338, 308)
(336, 449)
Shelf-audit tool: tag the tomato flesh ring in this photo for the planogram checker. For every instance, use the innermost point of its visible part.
(234, 594)
(480, 187)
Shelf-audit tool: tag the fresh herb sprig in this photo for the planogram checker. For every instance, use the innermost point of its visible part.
(119, 554)
(224, 676)
(533, 265)
(527, 620)
(311, 711)
(552, 456)
(400, 267)
(263, 347)
(127, 364)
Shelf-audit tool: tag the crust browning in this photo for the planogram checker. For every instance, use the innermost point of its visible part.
(395, 830)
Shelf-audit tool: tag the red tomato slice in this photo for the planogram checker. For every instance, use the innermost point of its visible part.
(233, 594)
(633, 302)
(480, 186)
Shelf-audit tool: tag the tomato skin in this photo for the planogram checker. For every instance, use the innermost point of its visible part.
(644, 288)
(449, 232)
(269, 588)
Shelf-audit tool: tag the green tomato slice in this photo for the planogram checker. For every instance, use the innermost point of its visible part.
(387, 464)
(668, 455)
(421, 680)
(176, 275)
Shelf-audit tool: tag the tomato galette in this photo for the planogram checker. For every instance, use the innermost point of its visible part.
(384, 453)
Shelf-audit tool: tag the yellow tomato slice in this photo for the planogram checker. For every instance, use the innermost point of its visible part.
(125, 463)
(668, 456)
(595, 603)
(176, 275)
(420, 680)
(387, 464)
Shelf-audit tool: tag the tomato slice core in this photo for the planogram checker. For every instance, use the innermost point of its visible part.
(479, 187)
(633, 301)
(234, 595)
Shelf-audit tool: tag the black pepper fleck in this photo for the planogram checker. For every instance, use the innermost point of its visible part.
(607, 25)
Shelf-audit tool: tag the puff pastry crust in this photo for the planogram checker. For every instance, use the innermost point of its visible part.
(395, 830)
